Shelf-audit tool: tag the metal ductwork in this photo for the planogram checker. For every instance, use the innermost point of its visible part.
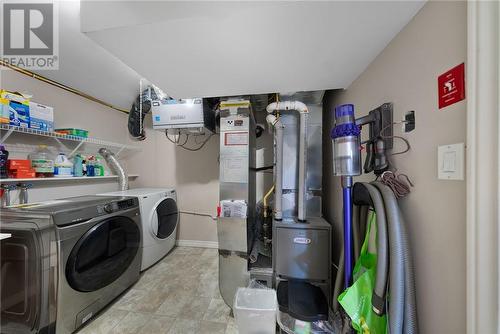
(116, 167)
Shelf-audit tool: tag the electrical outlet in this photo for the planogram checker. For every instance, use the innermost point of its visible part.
(409, 124)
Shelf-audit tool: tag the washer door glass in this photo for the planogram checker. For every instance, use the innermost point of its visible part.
(165, 218)
(103, 254)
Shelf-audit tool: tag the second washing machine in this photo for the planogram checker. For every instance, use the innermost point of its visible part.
(160, 217)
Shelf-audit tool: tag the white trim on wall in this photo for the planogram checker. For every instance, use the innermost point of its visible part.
(197, 243)
(483, 162)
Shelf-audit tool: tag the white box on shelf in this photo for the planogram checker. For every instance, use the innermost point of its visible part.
(41, 117)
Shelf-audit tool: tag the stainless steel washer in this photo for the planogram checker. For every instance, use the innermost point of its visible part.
(99, 253)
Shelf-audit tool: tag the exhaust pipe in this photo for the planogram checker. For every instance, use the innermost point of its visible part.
(116, 167)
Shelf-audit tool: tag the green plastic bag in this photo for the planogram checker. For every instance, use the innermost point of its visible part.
(357, 299)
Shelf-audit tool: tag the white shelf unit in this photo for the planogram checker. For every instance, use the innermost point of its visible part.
(77, 142)
(66, 179)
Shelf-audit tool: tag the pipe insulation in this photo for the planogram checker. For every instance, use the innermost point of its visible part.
(116, 167)
(301, 108)
(278, 160)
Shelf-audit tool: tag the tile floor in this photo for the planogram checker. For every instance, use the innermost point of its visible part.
(178, 295)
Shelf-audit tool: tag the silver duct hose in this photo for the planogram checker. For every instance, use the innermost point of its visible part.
(116, 167)
(254, 254)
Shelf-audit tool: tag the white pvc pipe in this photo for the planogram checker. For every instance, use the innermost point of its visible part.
(275, 122)
(302, 109)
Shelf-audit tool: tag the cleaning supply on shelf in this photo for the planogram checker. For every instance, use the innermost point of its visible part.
(42, 162)
(63, 167)
(99, 165)
(78, 165)
(4, 156)
(90, 165)
(73, 132)
(41, 117)
(15, 109)
(20, 169)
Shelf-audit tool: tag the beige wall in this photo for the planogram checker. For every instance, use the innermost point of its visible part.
(195, 175)
(159, 163)
(70, 110)
(405, 73)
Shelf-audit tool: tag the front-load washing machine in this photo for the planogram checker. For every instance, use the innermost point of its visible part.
(160, 217)
(98, 254)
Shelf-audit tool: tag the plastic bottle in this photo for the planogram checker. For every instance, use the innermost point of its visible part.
(4, 155)
(78, 165)
(63, 167)
(91, 166)
(41, 162)
(99, 166)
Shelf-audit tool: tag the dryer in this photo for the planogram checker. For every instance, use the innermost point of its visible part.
(98, 242)
(160, 217)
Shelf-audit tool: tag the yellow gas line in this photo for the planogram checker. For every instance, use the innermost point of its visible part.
(264, 200)
(59, 85)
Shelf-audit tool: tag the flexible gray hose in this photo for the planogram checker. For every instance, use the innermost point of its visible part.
(410, 322)
(363, 217)
(355, 232)
(378, 300)
(339, 280)
(254, 254)
(411, 319)
(115, 166)
(396, 259)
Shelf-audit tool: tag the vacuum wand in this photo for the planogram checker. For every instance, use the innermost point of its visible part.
(347, 212)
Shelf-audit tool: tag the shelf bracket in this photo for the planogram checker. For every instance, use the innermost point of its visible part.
(7, 135)
(120, 150)
(75, 149)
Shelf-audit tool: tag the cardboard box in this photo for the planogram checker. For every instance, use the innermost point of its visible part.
(41, 117)
(13, 164)
(4, 111)
(17, 107)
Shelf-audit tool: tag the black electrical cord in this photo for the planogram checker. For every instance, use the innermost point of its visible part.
(408, 146)
(199, 147)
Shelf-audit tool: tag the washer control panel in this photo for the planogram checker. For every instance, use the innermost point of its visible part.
(116, 206)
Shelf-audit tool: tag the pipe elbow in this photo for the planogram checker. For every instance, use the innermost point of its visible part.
(272, 107)
(287, 105)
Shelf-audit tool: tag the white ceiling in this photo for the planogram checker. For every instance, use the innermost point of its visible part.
(227, 48)
(220, 48)
(85, 65)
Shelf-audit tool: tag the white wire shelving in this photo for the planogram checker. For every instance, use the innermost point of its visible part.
(118, 148)
(67, 179)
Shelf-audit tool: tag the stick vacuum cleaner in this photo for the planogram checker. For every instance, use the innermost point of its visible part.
(346, 163)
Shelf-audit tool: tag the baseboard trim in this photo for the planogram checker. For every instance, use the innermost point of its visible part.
(197, 243)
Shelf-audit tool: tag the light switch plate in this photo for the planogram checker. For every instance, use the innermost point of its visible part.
(451, 162)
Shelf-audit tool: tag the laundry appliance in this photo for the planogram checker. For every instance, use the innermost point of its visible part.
(28, 283)
(160, 217)
(98, 242)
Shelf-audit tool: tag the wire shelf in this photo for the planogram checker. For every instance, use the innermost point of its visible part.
(117, 148)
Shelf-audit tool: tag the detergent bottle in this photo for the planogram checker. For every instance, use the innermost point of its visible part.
(63, 167)
(78, 165)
